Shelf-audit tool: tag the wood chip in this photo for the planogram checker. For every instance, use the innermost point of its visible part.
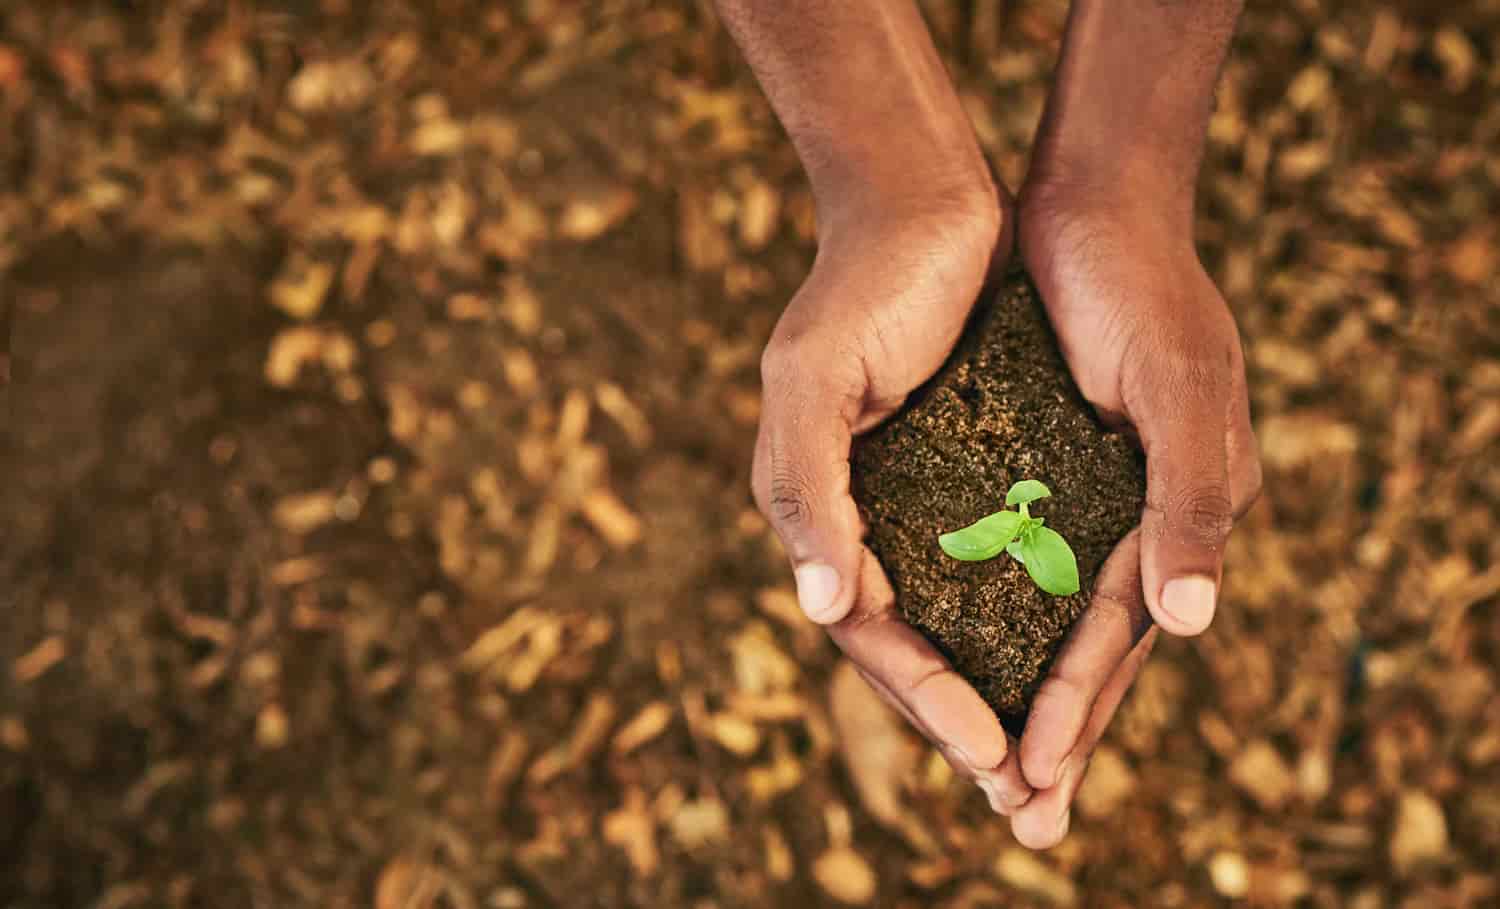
(1026, 872)
(874, 744)
(780, 865)
(652, 720)
(520, 307)
(632, 828)
(616, 523)
(36, 661)
(782, 774)
(760, 666)
(1419, 832)
(1260, 772)
(572, 421)
(1310, 88)
(272, 728)
(1457, 55)
(597, 213)
(589, 732)
(845, 876)
(407, 884)
(700, 823)
(301, 287)
(1108, 784)
(505, 767)
(13, 734)
(291, 350)
(469, 307)
(1474, 258)
(777, 707)
(438, 138)
(328, 85)
(1230, 874)
(630, 418)
(734, 733)
(520, 372)
(497, 641)
(305, 513)
(758, 215)
(1385, 40)
(701, 240)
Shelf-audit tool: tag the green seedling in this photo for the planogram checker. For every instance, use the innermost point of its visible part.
(1047, 557)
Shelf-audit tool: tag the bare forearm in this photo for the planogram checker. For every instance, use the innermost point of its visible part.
(869, 107)
(1133, 96)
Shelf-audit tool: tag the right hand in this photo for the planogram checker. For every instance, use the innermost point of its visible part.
(885, 302)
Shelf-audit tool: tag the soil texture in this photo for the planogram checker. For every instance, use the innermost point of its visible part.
(1003, 408)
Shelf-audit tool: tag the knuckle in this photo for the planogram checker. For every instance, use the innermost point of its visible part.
(1195, 368)
(789, 496)
(1202, 515)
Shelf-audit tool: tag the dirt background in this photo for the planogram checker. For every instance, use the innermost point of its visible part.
(377, 411)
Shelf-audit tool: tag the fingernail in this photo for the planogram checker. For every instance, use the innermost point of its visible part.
(1190, 600)
(1062, 824)
(818, 591)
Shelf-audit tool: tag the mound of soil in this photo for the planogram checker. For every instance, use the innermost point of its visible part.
(1003, 408)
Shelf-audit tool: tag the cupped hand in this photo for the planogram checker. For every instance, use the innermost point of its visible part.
(1153, 347)
(885, 302)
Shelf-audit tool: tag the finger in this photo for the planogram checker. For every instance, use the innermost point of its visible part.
(801, 473)
(1182, 413)
(1043, 821)
(910, 671)
(1005, 786)
(1103, 637)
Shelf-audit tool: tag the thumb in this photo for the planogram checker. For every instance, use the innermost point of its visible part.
(801, 473)
(1182, 418)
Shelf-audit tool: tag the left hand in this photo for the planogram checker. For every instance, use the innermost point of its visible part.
(1154, 349)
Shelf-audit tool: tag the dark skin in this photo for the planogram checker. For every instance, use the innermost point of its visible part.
(911, 222)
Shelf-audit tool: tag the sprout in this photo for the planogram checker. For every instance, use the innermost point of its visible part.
(1047, 557)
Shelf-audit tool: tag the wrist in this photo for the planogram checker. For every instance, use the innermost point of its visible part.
(1133, 93)
(1119, 203)
(962, 198)
(967, 222)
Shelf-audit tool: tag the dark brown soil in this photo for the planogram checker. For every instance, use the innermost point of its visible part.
(1003, 408)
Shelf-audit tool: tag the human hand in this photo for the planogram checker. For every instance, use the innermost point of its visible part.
(884, 304)
(1153, 347)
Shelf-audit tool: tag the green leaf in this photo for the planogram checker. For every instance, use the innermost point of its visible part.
(1015, 552)
(1050, 561)
(984, 539)
(1027, 491)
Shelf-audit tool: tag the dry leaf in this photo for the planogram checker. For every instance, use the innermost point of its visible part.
(306, 512)
(846, 876)
(406, 884)
(650, 722)
(1027, 872)
(1419, 832)
(301, 287)
(874, 744)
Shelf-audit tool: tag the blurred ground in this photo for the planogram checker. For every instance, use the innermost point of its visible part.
(375, 515)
